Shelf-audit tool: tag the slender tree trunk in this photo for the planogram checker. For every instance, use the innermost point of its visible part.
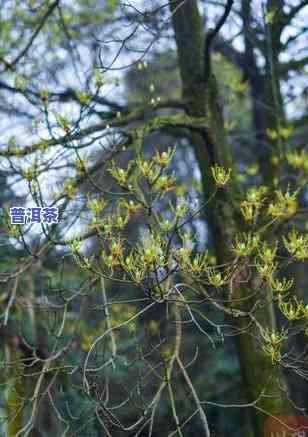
(212, 147)
(266, 98)
(259, 103)
(274, 27)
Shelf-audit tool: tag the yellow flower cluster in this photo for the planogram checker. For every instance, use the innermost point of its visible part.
(83, 97)
(283, 133)
(115, 255)
(164, 183)
(297, 245)
(298, 159)
(96, 206)
(281, 286)
(120, 175)
(220, 175)
(245, 244)
(44, 95)
(254, 200)
(29, 174)
(267, 253)
(69, 188)
(217, 278)
(130, 206)
(266, 270)
(163, 159)
(273, 343)
(294, 310)
(131, 265)
(285, 205)
(150, 169)
(152, 252)
(196, 266)
(266, 265)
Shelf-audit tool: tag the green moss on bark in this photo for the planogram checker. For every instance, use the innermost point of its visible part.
(203, 101)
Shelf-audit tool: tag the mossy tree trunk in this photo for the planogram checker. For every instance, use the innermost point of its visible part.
(201, 95)
(15, 394)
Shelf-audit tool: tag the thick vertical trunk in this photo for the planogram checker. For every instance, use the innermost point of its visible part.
(202, 98)
(264, 383)
(14, 403)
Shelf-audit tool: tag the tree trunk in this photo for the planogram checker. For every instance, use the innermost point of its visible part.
(258, 95)
(14, 403)
(202, 98)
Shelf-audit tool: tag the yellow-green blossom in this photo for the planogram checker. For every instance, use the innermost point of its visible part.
(245, 244)
(284, 206)
(97, 205)
(163, 159)
(297, 159)
(217, 278)
(273, 343)
(297, 245)
(165, 183)
(119, 174)
(292, 310)
(280, 286)
(69, 188)
(266, 270)
(220, 175)
(266, 253)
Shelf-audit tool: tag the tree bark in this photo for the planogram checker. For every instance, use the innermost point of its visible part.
(203, 101)
(14, 403)
(257, 93)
